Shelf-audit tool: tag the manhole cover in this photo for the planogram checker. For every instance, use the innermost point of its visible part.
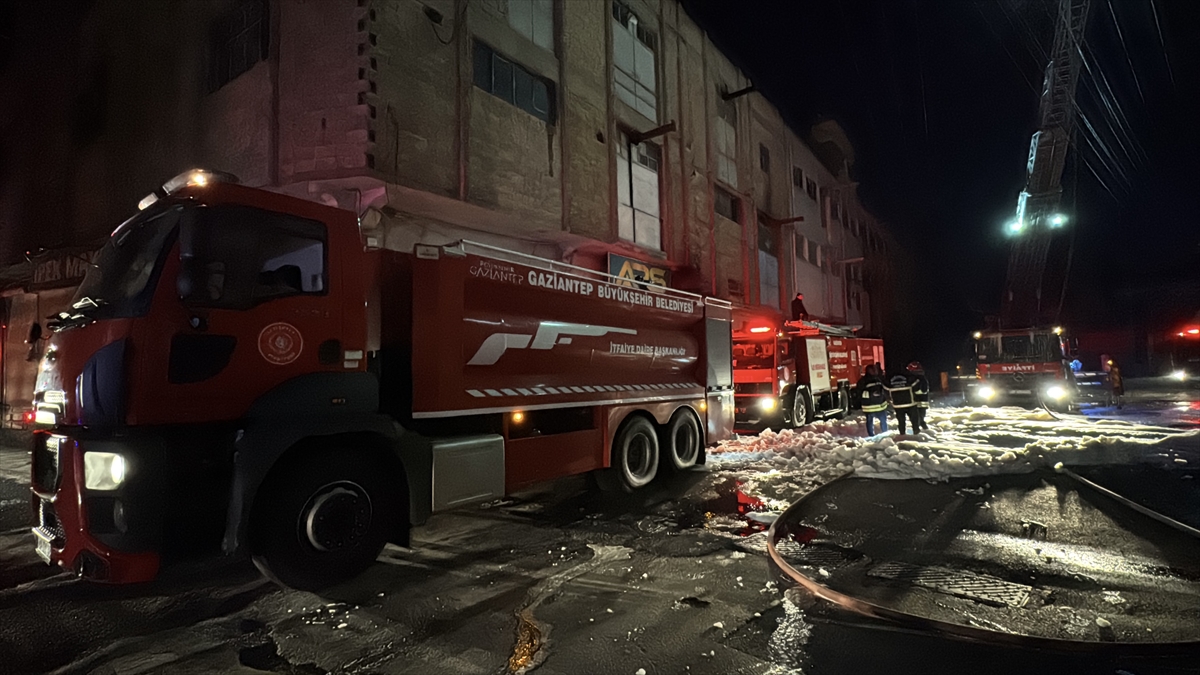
(978, 587)
(808, 554)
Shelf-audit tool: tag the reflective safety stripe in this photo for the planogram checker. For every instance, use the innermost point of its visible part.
(922, 404)
(874, 408)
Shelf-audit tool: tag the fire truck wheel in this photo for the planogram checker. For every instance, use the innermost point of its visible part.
(680, 442)
(321, 518)
(843, 403)
(802, 408)
(634, 456)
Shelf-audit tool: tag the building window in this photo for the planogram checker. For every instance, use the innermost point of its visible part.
(726, 205)
(835, 209)
(638, 215)
(766, 238)
(635, 73)
(810, 186)
(506, 80)
(534, 19)
(725, 131)
(797, 177)
(764, 158)
(768, 263)
(237, 40)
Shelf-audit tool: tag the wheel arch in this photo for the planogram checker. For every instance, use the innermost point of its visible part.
(264, 447)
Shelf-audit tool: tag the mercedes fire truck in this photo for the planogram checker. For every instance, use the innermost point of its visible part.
(1024, 367)
(240, 372)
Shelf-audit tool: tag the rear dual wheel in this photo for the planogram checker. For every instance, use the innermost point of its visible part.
(640, 449)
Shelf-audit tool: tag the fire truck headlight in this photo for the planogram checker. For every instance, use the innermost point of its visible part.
(45, 417)
(987, 393)
(1056, 392)
(1180, 375)
(768, 404)
(103, 470)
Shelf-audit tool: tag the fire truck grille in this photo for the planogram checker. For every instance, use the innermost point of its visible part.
(753, 388)
(46, 474)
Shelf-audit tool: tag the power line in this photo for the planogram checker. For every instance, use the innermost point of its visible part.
(1125, 48)
(1161, 41)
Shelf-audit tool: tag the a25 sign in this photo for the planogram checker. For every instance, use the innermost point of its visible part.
(636, 273)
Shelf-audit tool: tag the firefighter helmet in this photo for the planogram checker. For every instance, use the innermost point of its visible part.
(915, 367)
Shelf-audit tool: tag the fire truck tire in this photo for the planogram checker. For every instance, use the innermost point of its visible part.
(679, 446)
(802, 408)
(634, 457)
(322, 517)
(843, 403)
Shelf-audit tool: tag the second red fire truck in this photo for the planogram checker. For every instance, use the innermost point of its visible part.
(239, 372)
(792, 373)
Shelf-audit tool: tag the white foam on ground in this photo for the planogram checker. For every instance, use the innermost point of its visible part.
(964, 442)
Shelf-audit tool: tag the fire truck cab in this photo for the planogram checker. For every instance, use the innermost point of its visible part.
(1024, 367)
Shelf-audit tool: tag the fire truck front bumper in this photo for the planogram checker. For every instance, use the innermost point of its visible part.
(758, 411)
(1021, 394)
(87, 510)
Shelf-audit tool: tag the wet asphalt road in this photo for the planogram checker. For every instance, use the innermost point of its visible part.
(564, 579)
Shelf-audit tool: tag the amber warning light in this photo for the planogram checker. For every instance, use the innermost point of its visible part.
(760, 329)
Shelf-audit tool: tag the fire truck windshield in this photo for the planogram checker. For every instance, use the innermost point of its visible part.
(754, 355)
(122, 279)
(1023, 348)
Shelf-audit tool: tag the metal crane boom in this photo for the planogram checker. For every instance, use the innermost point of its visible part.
(1037, 219)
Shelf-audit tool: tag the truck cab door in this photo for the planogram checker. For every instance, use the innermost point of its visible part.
(250, 309)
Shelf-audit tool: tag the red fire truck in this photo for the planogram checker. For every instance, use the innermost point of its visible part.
(1025, 367)
(240, 372)
(791, 373)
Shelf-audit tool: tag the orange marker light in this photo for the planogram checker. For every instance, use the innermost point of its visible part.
(518, 417)
(760, 329)
(703, 405)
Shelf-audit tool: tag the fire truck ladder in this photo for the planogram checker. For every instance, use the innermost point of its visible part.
(1037, 221)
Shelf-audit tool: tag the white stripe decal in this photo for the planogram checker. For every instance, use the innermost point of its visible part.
(584, 389)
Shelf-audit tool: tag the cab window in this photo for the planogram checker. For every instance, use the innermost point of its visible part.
(237, 257)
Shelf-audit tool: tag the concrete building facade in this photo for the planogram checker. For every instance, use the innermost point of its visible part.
(610, 134)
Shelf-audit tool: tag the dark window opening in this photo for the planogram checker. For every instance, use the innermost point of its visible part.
(512, 83)
(797, 177)
(727, 205)
(810, 186)
(236, 41)
(767, 241)
(764, 158)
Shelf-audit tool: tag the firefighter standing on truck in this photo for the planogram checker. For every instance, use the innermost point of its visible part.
(874, 399)
(920, 389)
(900, 389)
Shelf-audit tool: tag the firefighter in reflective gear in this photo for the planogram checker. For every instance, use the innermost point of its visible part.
(900, 390)
(874, 399)
(920, 389)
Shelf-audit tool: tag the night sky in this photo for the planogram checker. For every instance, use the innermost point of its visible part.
(940, 98)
